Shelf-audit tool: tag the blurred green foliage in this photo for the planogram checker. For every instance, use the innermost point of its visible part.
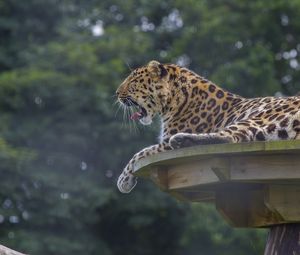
(64, 142)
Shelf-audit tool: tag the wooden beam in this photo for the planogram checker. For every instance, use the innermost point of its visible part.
(211, 170)
(192, 174)
(159, 175)
(265, 168)
(284, 200)
(221, 168)
(194, 153)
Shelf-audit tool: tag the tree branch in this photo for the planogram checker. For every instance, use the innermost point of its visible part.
(6, 251)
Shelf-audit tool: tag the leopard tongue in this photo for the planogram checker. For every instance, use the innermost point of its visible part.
(136, 116)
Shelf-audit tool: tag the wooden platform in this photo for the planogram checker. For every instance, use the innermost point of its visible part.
(252, 184)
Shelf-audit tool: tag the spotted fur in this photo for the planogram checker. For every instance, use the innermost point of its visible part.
(195, 111)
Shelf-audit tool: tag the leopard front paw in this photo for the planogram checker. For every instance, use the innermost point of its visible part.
(182, 140)
(126, 182)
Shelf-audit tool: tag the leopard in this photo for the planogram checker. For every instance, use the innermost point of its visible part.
(195, 111)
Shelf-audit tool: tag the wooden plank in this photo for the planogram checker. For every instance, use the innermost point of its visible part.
(256, 168)
(191, 174)
(221, 167)
(197, 152)
(159, 175)
(265, 168)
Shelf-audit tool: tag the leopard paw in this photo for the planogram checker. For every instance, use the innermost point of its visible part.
(126, 182)
(182, 140)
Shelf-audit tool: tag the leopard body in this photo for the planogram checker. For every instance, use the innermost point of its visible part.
(195, 111)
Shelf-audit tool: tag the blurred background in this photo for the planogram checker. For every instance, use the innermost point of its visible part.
(63, 143)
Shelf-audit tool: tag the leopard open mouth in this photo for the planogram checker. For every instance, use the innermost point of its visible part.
(141, 111)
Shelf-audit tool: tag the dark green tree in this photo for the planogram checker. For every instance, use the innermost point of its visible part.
(63, 145)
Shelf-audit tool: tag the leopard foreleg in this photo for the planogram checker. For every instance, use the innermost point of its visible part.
(243, 131)
(127, 181)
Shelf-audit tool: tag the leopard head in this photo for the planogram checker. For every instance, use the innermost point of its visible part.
(147, 90)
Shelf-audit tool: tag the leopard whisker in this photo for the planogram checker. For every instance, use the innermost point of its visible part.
(116, 102)
(130, 112)
(124, 115)
(127, 64)
(118, 109)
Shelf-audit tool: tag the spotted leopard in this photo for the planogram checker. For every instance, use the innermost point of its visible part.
(195, 111)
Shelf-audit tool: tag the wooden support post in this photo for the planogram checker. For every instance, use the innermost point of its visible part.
(283, 240)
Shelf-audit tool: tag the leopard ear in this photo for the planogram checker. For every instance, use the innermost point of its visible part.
(157, 70)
